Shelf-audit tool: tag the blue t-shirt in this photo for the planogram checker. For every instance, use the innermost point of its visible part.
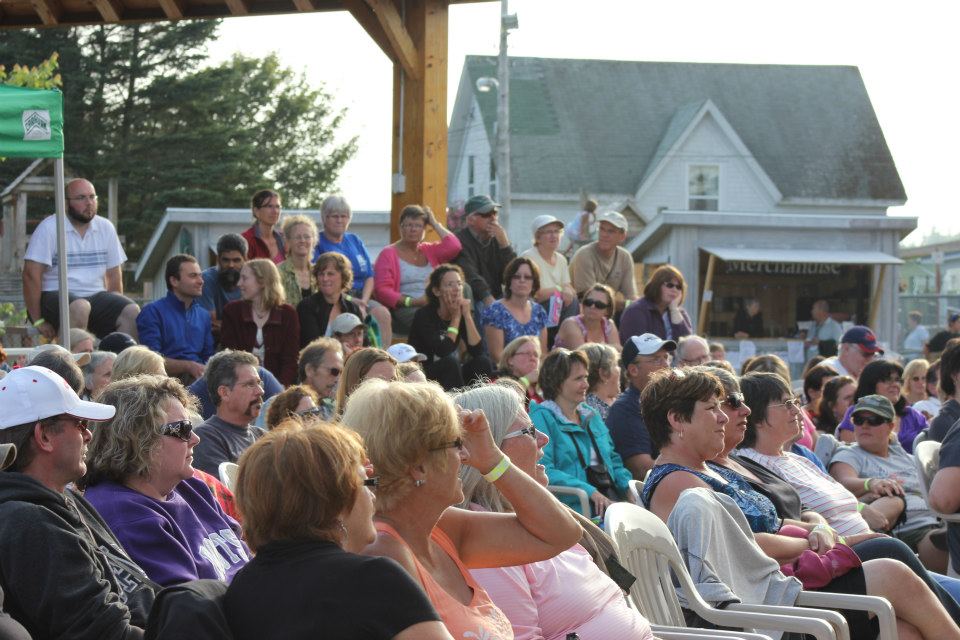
(627, 428)
(497, 315)
(352, 247)
(215, 297)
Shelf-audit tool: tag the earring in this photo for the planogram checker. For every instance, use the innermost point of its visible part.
(681, 434)
(419, 483)
(343, 527)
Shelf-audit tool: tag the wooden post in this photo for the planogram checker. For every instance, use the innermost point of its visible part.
(707, 296)
(875, 298)
(20, 229)
(420, 115)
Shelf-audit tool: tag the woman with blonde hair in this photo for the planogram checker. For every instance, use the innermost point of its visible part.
(658, 311)
(262, 323)
(603, 376)
(915, 381)
(308, 511)
(417, 442)
(520, 361)
(368, 362)
(333, 275)
(140, 477)
(136, 360)
(300, 235)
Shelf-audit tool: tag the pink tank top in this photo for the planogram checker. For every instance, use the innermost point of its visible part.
(605, 327)
(481, 619)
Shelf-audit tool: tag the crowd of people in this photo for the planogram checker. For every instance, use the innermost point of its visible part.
(313, 443)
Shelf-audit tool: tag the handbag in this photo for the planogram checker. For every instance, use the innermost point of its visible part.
(597, 474)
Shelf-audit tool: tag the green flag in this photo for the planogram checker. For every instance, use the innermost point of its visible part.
(31, 122)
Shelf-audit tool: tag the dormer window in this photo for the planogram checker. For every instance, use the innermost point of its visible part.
(703, 187)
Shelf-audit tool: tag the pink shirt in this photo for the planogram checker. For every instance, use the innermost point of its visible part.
(386, 270)
(480, 619)
(808, 430)
(568, 593)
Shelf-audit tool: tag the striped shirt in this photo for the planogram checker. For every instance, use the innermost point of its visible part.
(818, 491)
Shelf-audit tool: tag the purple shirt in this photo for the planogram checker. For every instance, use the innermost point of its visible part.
(912, 422)
(185, 537)
(643, 317)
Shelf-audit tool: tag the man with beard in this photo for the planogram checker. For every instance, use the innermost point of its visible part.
(236, 390)
(65, 575)
(220, 281)
(94, 257)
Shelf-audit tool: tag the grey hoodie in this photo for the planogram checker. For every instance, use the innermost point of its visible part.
(64, 574)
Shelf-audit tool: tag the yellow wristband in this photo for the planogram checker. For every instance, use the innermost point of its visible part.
(866, 484)
(38, 323)
(841, 540)
(860, 507)
(406, 301)
(453, 330)
(494, 474)
(524, 381)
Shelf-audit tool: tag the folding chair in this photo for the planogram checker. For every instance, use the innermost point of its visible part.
(634, 489)
(578, 493)
(648, 550)
(228, 474)
(926, 457)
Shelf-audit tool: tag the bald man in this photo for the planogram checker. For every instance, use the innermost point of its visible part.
(94, 258)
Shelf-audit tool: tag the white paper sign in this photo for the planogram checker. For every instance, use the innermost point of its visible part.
(795, 351)
(747, 350)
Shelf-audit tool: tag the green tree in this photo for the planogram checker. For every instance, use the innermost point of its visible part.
(42, 76)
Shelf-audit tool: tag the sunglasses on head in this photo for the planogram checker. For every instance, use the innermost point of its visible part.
(180, 429)
(860, 419)
(599, 304)
(735, 400)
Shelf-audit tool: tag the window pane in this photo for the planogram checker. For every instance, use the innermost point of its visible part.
(704, 180)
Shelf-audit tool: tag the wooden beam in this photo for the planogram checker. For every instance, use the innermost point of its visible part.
(48, 10)
(304, 5)
(363, 14)
(111, 10)
(420, 116)
(400, 41)
(707, 297)
(173, 9)
(875, 298)
(238, 7)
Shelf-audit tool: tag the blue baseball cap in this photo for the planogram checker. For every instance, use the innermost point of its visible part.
(863, 337)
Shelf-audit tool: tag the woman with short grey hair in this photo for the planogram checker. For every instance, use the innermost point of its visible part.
(97, 373)
(335, 215)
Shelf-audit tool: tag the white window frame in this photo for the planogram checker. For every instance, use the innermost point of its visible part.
(686, 185)
(471, 175)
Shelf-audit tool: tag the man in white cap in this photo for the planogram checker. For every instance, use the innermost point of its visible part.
(642, 356)
(402, 352)
(64, 575)
(348, 330)
(606, 262)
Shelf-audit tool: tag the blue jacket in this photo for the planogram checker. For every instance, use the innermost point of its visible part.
(175, 331)
(560, 457)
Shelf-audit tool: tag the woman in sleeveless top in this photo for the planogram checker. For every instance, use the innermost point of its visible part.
(417, 442)
(593, 324)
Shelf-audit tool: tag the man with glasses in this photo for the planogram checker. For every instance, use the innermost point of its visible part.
(64, 575)
(642, 356)
(858, 347)
(692, 351)
(485, 249)
(606, 262)
(94, 257)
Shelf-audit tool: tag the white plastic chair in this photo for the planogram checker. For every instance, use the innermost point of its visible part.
(228, 474)
(634, 489)
(647, 549)
(926, 457)
(578, 493)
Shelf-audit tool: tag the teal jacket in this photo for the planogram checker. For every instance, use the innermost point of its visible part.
(560, 457)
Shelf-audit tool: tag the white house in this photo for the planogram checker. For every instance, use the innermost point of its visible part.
(771, 181)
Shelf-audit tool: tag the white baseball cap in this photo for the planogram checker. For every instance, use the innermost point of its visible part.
(616, 219)
(345, 323)
(541, 221)
(402, 352)
(80, 358)
(29, 394)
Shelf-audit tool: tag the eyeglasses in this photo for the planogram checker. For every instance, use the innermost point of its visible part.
(373, 481)
(312, 411)
(522, 276)
(916, 378)
(488, 214)
(413, 227)
(661, 359)
(599, 304)
(792, 403)
(526, 431)
(735, 400)
(673, 285)
(92, 198)
(181, 429)
(456, 444)
(873, 420)
(80, 423)
(302, 238)
(528, 354)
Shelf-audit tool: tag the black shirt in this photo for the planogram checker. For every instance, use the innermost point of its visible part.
(314, 315)
(950, 457)
(312, 590)
(948, 416)
(939, 342)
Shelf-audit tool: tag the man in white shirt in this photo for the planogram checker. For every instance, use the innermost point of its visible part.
(94, 257)
(858, 347)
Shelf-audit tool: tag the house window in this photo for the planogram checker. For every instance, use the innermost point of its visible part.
(470, 177)
(493, 177)
(703, 187)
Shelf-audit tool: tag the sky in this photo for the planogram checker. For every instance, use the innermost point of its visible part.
(906, 54)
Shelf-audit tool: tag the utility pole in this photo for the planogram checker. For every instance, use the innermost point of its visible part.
(507, 22)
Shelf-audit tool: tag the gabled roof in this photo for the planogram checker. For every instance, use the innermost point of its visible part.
(598, 124)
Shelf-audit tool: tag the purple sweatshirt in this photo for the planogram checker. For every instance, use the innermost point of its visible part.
(185, 537)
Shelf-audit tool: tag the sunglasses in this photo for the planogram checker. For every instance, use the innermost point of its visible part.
(735, 400)
(457, 444)
(373, 481)
(526, 431)
(673, 285)
(590, 302)
(80, 423)
(312, 411)
(872, 420)
(181, 429)
(488, 214)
